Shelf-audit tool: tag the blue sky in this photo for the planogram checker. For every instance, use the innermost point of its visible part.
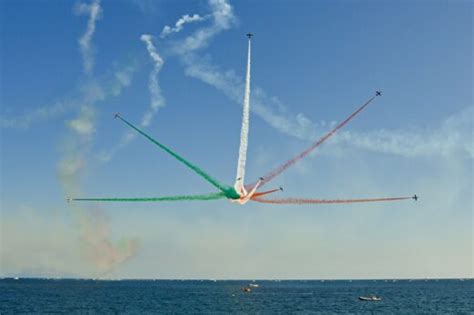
(66, 71)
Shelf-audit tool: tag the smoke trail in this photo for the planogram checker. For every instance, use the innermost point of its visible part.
(167, 30)
(302, 201)
(213, 196)
(95, 235)
(112, 85)
(97, 245)
(193, 167)
(94, 12)
(157, 99)
(316, 144)
(244, 133)
(263, 193)
(223, 18)
(92, 222)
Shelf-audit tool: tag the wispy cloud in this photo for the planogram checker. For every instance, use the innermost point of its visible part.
(36, 115)
(453, 136)
(94, 11)
(167, 30)
(147, 7)
(110, 85)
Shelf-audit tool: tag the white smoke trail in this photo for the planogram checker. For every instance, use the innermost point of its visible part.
(157, 99)
(94, 11)
(244, 133)
(222, 19)
(270, 109)
(168, 30)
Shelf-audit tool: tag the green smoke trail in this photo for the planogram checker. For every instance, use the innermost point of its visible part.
(213, 196)
(227, 190)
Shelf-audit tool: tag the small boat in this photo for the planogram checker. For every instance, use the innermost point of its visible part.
(370, 298)
(253, 285)
(246, 289)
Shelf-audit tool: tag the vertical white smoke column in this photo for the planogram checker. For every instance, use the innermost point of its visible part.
(244, 133)
(94, 11)
(157, 99)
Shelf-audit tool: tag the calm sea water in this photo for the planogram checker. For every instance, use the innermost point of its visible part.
(284, 297)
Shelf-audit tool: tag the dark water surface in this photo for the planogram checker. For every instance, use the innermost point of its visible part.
(283, 297)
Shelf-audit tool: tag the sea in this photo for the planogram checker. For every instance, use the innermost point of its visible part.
(70, 296)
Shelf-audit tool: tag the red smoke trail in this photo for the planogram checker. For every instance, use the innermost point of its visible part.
(263, 193)
(303, 201)
(316, 144)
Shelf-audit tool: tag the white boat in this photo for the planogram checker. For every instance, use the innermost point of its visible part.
(370, 298)
(253, 285)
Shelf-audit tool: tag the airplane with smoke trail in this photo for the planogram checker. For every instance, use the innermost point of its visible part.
(239, 192)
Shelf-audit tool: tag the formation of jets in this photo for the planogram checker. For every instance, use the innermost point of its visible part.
(238, 193)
